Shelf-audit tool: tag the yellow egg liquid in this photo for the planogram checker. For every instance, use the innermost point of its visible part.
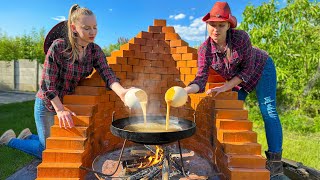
(143, 99)
(168, 98)
(152, 127)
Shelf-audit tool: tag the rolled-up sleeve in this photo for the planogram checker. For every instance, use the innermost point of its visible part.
(50, 73)
(101, 65)
(247, 62)
(203, 70)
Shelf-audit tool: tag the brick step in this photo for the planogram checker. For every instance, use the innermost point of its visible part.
(213, 85)
(96, 82)
(59, 170)
(215, 79)
(228, 104)
(231, 114)
(72, 143)
(246, 173)
(230, 124)
(77, 120)
(62, 156)
(77, 131)
(81, 99)
(240, 148)
(232, 95)
(81, 110)
(241, 161)
(236, 135)
(90, 90)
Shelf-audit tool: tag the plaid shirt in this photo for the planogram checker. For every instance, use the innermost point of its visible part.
(247, 62)
(60, 76)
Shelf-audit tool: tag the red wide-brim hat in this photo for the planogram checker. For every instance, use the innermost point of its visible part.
(58, 31)
(221, 12)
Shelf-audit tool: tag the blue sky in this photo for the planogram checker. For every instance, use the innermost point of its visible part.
(120, 18)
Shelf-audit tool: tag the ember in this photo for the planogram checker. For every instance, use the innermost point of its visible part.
(154, 162)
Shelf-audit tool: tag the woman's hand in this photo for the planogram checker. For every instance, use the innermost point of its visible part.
(218, 90)
(65, 119)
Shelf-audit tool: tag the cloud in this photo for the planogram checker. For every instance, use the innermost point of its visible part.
(191, 17)
(193, 32)
(59, 18)
(110, 9)
(178, 16)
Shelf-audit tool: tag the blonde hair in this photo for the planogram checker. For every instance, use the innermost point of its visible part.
(74, 13)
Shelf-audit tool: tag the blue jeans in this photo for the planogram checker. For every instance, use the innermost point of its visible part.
(35, 144)
(266, 94)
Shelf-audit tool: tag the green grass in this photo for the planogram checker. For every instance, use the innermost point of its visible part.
(299, 147)
(16, 116)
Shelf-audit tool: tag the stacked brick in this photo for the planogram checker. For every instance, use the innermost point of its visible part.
(154, 61)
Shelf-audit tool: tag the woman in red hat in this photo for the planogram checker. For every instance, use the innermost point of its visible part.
(229, 52)
(71, 55)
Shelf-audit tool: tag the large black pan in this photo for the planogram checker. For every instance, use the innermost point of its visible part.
(188, 128)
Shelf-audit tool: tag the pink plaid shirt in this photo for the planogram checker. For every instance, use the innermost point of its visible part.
(247, 62)
(60, 76)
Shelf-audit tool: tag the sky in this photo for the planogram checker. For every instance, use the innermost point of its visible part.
(120, 18)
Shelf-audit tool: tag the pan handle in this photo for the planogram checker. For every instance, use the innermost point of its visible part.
(113, 115)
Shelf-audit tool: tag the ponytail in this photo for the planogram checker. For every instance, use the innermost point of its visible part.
(74, 13)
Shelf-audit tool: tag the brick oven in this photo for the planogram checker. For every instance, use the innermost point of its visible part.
(154, 61)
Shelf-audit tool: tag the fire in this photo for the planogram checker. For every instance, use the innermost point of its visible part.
(152, 160)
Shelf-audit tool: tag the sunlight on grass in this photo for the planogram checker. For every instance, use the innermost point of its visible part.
(16, 116)
(298, 147)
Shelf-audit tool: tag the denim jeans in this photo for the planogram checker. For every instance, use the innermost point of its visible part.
(35, 144)
(266, 94)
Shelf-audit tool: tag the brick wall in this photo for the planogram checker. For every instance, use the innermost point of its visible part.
(154, 60)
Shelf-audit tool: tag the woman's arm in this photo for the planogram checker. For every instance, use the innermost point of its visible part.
(65, 119)
(228, 85)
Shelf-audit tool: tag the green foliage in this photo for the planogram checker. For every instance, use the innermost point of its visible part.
(113, 47)
(291, 37)
(27, 46)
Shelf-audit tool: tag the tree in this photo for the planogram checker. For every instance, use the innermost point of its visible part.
(291, 36)
(113, 47)
(27, 46)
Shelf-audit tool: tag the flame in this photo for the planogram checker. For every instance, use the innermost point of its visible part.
(152, 160)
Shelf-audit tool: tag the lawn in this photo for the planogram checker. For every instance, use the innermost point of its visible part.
(301, 147)
(16, 116)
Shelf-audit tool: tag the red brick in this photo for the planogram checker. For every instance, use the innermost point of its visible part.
(230, 124)
(192, 63)
(88, 90)
(186, 49)
(138, 41)
(146, 49)
(133, 61)
(189, 56)
(177, 42)
(231, 114)
(129, 46)
(228, 104)
(159, 22)
(172, 36)
(152, 42)
(155, 29)
(185, 70)
(176, 57)
(152, 56)
(123, 53)
(182, 64)
(236, 136)
(168, 29)
(144, 35)
(159, 36)
(215, 79)
(138, 69)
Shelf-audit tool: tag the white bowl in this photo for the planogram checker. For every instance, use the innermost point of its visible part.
(131, 100)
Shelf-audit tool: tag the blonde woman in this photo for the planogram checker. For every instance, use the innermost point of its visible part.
(68, 60)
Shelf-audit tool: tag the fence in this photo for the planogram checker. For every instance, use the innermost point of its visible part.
(20, 75)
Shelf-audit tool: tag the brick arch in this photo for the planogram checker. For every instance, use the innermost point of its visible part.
(154, 60)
